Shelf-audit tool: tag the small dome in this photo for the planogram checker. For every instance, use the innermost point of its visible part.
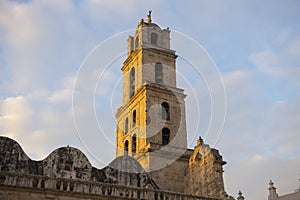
(126, 164)
(126, 170)
(153, 25)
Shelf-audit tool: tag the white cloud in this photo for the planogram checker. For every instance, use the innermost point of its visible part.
(266, 62)
(294, 47)
(65, 93)
(61, 95)
(283, 62)
(16, 115)
(240, 82)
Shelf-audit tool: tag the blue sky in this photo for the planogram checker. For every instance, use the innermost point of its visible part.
(254, 44)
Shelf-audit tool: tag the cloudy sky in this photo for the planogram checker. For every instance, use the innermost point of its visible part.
(255, 46)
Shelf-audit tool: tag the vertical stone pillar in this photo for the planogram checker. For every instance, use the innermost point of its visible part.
(39, 183)
(68, 186)
(6, 182)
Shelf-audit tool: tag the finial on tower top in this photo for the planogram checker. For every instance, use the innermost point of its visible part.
(199, 141)
(148, 18)
(271, 184)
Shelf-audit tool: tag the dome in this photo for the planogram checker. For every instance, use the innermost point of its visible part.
(125, 170)
(126, 164)
(153, 25)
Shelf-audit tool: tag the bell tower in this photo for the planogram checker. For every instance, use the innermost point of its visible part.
(151, 122)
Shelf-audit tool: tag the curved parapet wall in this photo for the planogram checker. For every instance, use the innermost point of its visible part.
(67, 162)
(12, 156)
(71, 163)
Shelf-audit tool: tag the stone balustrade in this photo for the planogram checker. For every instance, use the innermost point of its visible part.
(91, 187)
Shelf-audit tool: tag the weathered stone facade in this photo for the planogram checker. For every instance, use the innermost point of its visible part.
(205, 174)
(67, 174)
(152, 162)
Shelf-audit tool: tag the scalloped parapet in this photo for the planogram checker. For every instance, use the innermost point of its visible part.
(67, 162)
(12, 157)
(71, 164)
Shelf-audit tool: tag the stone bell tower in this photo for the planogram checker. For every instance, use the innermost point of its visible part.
(151, 122)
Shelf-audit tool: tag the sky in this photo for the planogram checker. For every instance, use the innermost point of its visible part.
(46, 82)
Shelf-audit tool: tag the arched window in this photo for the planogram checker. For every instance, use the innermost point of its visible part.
(158, 73)
(134, 143)
(126, 125)
(154, 38)
(126, 145)
(165, 111)
(134, 118)
(165, 136)
(132, 81)
(136, 42)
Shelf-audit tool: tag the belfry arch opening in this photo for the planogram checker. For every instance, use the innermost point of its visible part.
(165, 136)
(165, 111)
(134, 143)
(134, 118)
(126, 147)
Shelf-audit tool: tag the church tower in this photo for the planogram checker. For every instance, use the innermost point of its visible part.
(151, 123)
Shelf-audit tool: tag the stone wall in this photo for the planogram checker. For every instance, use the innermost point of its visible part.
(171, 177)
(67, 174)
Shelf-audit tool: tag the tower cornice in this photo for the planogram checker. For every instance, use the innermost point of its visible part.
(135, 53)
